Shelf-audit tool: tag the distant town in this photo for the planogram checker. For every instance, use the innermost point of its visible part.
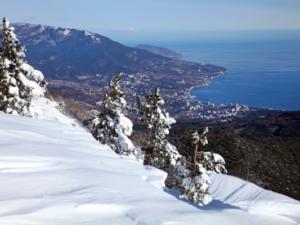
(180, 103)
(178, 100)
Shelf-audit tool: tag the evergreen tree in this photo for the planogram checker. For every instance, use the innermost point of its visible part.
(158, 152)
(192, 177)
(196, 184)
(111, 126)
(212, 162)
(19, 82)
(196, 139)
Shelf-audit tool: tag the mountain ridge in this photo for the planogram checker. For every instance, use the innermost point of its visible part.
(87, 53)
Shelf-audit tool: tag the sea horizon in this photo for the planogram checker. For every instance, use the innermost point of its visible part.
(261, 73)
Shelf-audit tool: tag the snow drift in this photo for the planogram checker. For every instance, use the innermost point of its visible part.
(54, 173)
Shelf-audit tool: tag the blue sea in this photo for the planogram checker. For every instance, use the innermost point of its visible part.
(261, 73)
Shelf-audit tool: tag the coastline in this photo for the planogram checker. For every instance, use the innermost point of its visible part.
(207, 83)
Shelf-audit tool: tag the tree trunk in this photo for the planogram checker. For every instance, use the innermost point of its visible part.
(147, 149)
(195, 159)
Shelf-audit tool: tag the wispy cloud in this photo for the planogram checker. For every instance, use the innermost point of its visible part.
(123, 29)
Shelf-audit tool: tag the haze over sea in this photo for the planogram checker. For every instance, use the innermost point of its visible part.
(263, 69)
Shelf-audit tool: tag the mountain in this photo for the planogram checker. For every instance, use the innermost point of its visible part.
(78, 65)
(68, 53)
(161, 51)
(55, 173)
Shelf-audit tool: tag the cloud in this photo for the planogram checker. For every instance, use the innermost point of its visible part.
(124, 29)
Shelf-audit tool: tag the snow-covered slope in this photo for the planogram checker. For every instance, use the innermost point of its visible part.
(57, 174)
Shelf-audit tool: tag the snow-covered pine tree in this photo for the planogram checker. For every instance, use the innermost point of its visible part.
(111, 126)
(158, 151)
(19, 82)
(212, 162)
(193, 177)
(196, 184)
(196, 139)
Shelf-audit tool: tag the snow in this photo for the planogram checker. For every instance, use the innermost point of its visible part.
(13, 90)
(36, 89)
(124, 130)
(45, 109)
(92, 36)
(66, 32)
(254, 199)
(34, 74)
(54, 173)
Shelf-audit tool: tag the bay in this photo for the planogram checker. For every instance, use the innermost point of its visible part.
(260, 73)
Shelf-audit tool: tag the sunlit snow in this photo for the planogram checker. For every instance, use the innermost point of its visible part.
(55, 173)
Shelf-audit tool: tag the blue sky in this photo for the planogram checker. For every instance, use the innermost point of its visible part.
(156, 16)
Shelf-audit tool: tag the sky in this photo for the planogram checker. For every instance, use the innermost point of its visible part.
(141, 17)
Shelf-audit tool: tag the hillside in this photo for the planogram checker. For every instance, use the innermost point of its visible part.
(262, 148)
(54, 173)
(160, 51)
(68, 53)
